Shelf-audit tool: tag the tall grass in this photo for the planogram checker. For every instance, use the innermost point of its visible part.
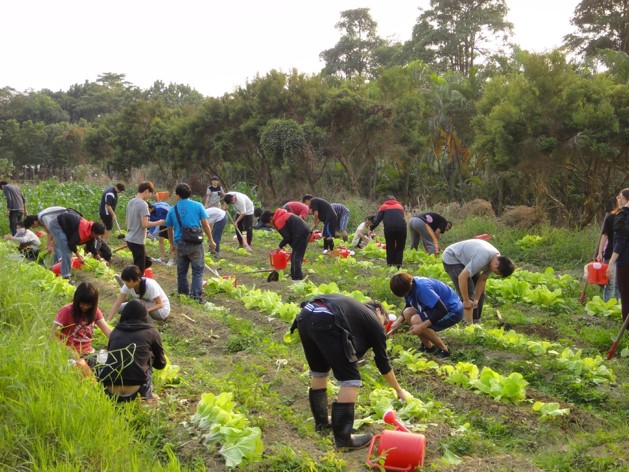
(53, 418)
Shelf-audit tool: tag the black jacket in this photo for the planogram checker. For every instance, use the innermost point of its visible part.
(69, 222)
(294, 229)
(134, 347)
(363, 326)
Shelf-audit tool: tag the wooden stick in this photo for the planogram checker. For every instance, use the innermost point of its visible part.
(187, 317)
(242, 238)
(612, 350)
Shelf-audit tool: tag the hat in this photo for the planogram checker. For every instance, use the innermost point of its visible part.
(214, 177)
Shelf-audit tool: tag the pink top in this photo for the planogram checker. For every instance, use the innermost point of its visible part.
(298, 208)
(77, 335)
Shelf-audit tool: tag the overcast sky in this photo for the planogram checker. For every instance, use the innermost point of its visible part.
(213, 46)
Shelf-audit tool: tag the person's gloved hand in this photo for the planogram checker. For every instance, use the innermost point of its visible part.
(404, 396)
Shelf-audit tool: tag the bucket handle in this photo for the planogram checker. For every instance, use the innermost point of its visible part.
(376, 465)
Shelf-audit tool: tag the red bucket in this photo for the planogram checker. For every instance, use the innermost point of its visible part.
(233, 279)
(314, 236)
(148, 273)
(401, 451)
(56, 268)
(279, 258)
(597, 273)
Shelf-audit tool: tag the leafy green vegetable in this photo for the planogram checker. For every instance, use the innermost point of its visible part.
(549, 410)
(215, 414)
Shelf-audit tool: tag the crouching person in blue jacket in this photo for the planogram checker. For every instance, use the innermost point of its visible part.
(431, 306)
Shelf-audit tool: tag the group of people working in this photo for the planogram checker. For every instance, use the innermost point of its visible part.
(335, 330)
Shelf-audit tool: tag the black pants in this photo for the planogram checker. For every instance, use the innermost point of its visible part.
(395, 240)
(245, 226)
(622, 282)
(326, 346)
(299, 246)
(14, 217)
(139, 255)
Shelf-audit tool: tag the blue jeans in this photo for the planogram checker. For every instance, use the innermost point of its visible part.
(61, 248)
(217, 232)
(610, 290)
(190, 255)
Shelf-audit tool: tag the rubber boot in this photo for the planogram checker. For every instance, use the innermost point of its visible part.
(319, 407)
(342, 425)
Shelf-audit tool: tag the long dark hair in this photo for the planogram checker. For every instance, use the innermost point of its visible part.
(85, 293)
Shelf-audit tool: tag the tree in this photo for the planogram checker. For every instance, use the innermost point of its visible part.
(553, 137)
(173, 95)
(601, 24)
(457, 34)
(357, 130)
(355, 53)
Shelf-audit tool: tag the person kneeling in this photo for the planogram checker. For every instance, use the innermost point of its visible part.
(147, 290)
(134, 348)
(431, 306)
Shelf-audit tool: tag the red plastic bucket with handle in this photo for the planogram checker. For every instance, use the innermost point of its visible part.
(56, 268)
(597, 273)
(401, 450)
(279, 258)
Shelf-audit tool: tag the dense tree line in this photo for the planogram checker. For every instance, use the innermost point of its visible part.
(447, 115)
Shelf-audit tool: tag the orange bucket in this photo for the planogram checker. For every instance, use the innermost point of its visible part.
(279, 258)
(597, 273)
(162, 196)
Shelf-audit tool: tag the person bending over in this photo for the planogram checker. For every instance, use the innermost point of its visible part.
(336, 331)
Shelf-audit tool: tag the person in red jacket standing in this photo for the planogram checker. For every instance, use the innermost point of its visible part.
(391, 213)
(295, 232)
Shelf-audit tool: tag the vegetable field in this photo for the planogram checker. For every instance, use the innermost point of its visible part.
(539, 396)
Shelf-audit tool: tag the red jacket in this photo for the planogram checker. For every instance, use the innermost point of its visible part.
(85, 231)
(280, 217)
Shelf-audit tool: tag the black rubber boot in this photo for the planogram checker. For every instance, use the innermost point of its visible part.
(319, 407)
(342, 425)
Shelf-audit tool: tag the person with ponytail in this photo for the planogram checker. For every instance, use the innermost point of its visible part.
(147, 290)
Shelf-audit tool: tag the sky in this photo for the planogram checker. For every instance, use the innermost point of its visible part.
(212, 46)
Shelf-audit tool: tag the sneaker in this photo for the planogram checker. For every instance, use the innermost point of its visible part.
(170, 263)
(203, 284)
(118, 279)
(441, 354)
(159, 259)
(325, 251)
